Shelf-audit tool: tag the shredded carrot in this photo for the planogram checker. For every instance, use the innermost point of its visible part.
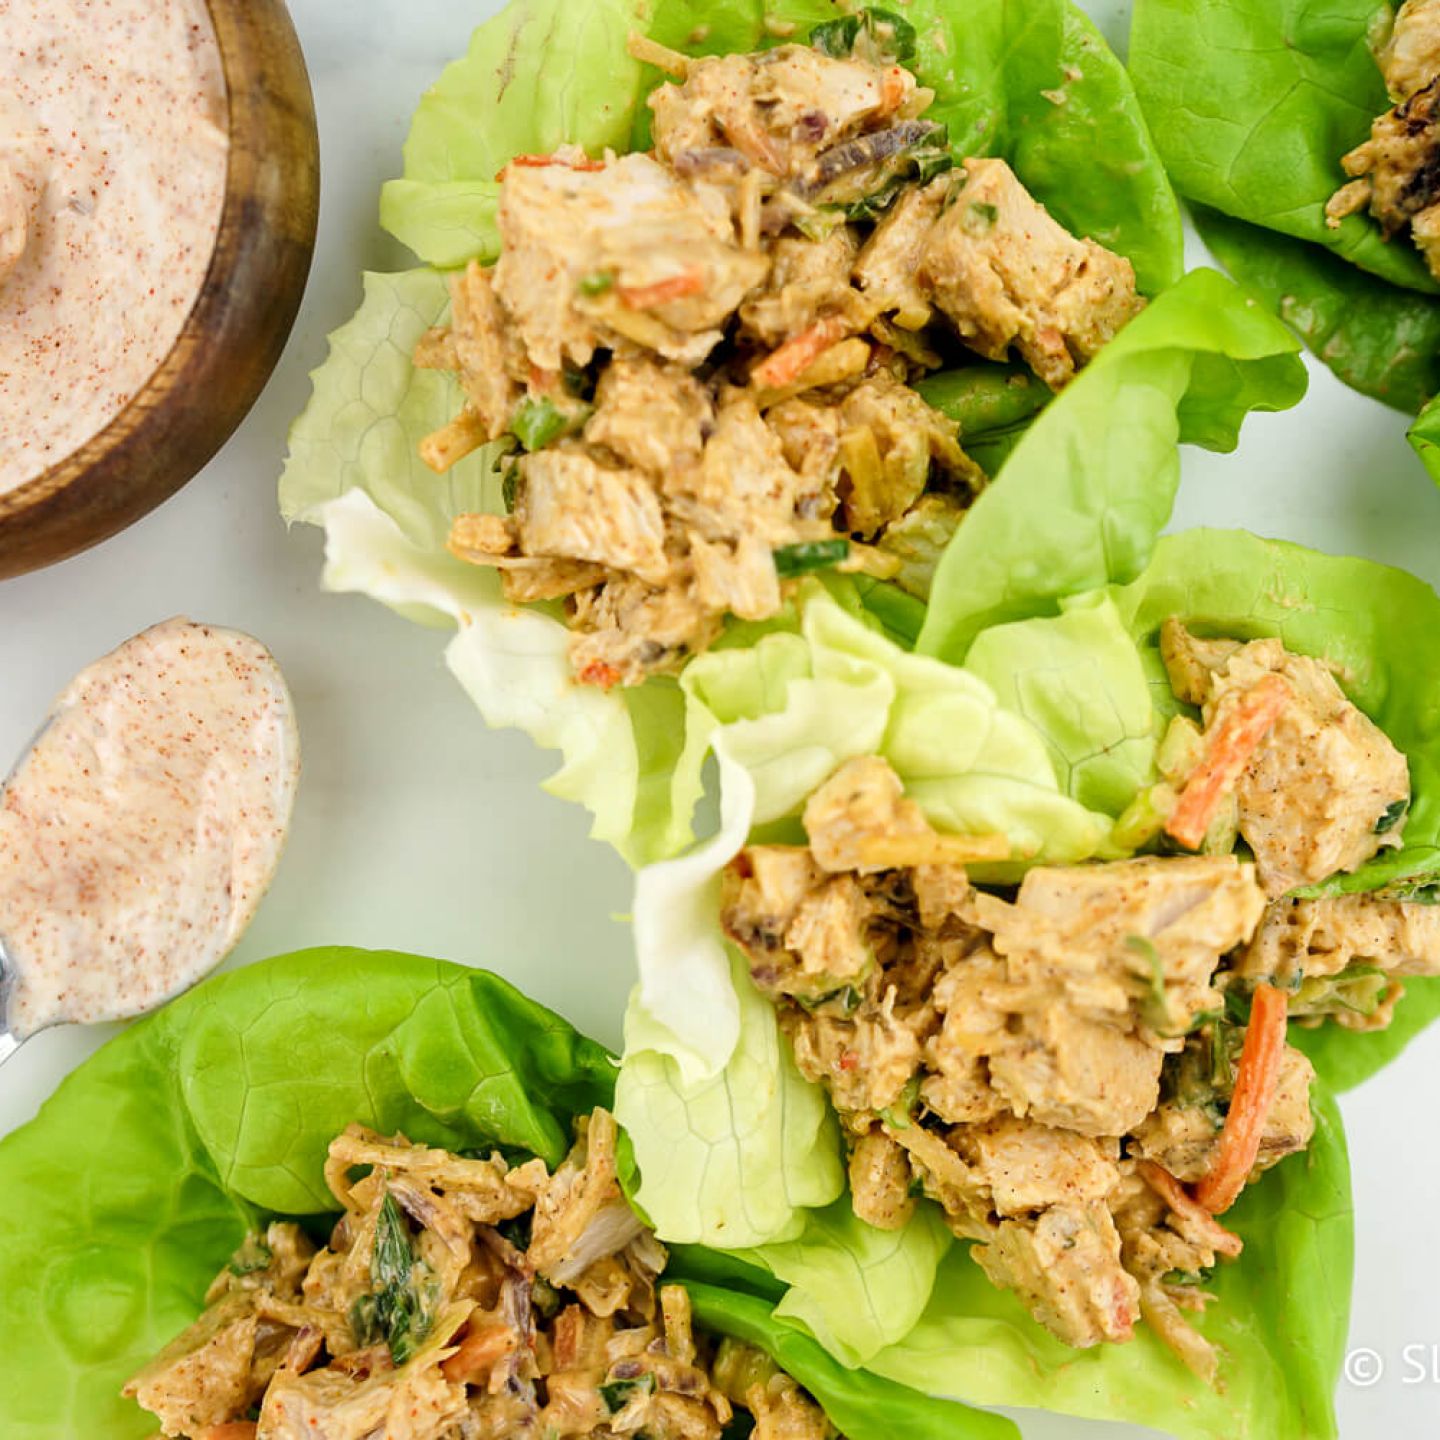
(1231, 747)
(675, 287)
(1174, 1194)
(545, 162)
(479, 1353)
(597, 672)
(796, 356)
(231, 1430)
(1256, 1082)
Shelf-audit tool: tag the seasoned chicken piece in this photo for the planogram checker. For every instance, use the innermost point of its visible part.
(888, 264)
(1325, 789)
(942, 893)
(597, 255)
(1025, 1167)
(807, 278)
(809, 435)
(736, 578)
(582, 1216)
(628, 630)
(1305, 939)
(764, 887)
(866, 1063)
(1139, 936)
(1007, 274)
(490, 358)
(859, 819)
(651, 416)
(743, 486)
(204, 1376)
(1410, 59)
(485, 1191)
(880, 1177)
(571, 508)
(1182, 1138)
(494, 540)
(1396, 172)
(1066, 1268)
(889, 439)
(1063, 1069)
(779, 109)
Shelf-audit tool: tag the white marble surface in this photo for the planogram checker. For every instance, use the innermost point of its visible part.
(419, 830)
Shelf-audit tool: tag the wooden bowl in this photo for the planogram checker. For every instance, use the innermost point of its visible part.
(241, 320)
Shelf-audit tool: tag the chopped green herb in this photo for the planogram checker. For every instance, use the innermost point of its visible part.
(517, 1231)
(1393, 815)
(900, 1115)
(254, 1255)
(617, 1394)
(1156, 1007)
(980, 218)
(399, 1310)
(809, 556)
(1188, 1278)
(1359, 989)
(879, 36)
(538, 422)
(597, 282)
(545, 1298)
(510, 487)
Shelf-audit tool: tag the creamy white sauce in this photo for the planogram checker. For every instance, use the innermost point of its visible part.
(113, 159)
(140, 832)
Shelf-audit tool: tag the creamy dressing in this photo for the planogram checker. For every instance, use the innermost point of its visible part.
(141, 830)
(113, 159)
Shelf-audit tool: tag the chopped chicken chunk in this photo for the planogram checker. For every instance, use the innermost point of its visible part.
(887, 268)
(666, 248)
(1007, 274)
(1325, 789)
(569, 507)
(1410, 58)
(1066, 1268)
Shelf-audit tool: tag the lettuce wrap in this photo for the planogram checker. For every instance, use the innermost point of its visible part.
(1035, 712)
(141, 1175)
(1037, 86)
(1252, 104)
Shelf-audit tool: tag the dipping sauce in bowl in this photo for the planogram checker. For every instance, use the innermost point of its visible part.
(113, 158)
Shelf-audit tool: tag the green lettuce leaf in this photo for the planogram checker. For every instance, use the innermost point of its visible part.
(1078, 679)
(1092, 482)
(1280, 1316)
(1379, 628)
(1253, 102)
(138, 1178)
(1380, 339)
(1424, 437)
(1037, 85)
(353, 468)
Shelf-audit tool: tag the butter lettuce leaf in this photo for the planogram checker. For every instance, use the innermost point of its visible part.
(1253, 102)
(1280, 1317)
(139, 1177)
(1380, 339)
(1090, 486)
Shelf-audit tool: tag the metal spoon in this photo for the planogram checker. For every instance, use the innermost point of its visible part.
(141, 827)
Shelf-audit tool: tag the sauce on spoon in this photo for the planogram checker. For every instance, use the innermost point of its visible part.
(142, 828)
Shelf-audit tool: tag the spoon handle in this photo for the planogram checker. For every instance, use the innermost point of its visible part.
(8, 1045)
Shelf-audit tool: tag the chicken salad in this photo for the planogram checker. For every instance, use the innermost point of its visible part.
(703, 356)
